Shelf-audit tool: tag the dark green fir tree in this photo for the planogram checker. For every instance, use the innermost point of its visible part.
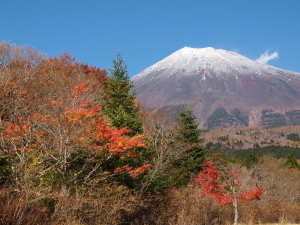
(118, 99)
(188, 135)
(188, 130)
(120, 107)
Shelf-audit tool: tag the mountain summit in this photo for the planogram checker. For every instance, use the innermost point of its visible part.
(222, 87)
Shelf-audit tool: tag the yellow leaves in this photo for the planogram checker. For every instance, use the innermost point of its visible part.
(20, 92)
(296, 144)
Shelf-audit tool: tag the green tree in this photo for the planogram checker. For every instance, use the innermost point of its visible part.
(118, 103)
(251, 159)
(188, 130)
(120, 107)
(291, 162)
(188, 135)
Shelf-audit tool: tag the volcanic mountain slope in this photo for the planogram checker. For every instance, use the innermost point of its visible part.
(223, 89)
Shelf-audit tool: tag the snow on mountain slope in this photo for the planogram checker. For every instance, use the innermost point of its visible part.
(209, 79)
(187, 61)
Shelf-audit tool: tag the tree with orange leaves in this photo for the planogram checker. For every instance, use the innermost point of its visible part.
(28, 79)
(77, 125)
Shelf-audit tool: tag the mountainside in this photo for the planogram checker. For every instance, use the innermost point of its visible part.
(223, 88)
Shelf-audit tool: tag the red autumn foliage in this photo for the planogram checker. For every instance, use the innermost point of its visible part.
(220, 186)
(248, 196)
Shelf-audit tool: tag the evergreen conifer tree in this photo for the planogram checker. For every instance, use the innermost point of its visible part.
(188, 134)
(188, 128)
(117, 101)
(119, 106)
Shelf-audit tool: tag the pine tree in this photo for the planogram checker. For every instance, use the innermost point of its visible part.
(188, 129)
(188, 134)
(117, 101)
(119, 106)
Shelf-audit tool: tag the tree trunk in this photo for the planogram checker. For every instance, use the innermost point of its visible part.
(235, 205)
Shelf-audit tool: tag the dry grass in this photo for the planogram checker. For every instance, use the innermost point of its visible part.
(106, 205)
(280, 202)
(112, 203)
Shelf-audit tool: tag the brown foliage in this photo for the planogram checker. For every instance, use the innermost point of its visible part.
(28, 79)
(103, 205)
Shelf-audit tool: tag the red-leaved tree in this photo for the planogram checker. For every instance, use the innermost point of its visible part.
(223, 185)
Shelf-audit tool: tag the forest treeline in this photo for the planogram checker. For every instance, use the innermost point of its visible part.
(77, 147)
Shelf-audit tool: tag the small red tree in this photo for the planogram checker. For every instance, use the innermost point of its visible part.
(224, 186)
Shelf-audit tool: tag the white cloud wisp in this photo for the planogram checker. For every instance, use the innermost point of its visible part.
(266, 57)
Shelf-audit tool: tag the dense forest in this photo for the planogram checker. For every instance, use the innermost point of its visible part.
(77, 147)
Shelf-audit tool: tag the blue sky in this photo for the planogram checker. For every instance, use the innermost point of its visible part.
(147, 31)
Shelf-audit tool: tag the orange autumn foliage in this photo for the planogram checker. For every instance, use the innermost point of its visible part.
(81, 125)
(133, 172)
(97, 129)
(35, 87)
(29, 80)
(17, 136)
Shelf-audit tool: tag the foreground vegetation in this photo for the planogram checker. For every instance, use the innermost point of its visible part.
(77, 148)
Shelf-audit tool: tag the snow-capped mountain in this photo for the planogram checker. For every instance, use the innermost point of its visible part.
(223, 88)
